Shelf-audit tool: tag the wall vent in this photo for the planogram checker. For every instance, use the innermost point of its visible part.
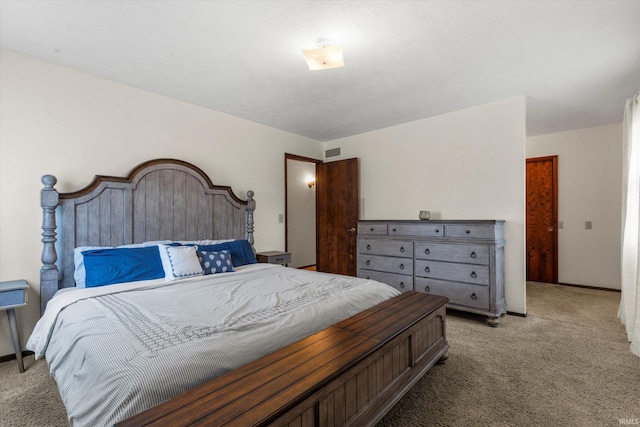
(332, 153)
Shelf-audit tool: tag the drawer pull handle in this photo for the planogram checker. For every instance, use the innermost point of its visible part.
(368, 247)
(437, 230)
(427, 289)
(394, 230)
(401, 266)
(401, 249)
(402, 284)
(372, 229)
(427, 251)
(368, 262)
(473, 255)
(467, 231)
(427, 269)
(473, 275)
(473, 296)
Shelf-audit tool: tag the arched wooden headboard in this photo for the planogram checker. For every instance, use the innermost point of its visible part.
(162, 199)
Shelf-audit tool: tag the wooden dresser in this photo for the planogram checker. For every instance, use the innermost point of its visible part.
(461, 260)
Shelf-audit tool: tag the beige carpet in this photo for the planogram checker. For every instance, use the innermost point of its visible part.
(566, 364)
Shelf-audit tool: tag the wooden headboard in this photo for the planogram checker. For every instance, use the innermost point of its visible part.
(163, 199)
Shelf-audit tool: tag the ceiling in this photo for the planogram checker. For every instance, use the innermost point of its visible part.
(575, 61)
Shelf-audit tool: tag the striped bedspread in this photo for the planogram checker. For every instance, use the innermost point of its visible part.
(117, 350)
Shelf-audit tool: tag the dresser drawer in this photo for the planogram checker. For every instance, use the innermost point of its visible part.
(399, 281)
(458, 293)
(396, 248)
(470, 231)
(386, 264)
(476, 274)
(418, 230)
(372, 229)
(470, 254)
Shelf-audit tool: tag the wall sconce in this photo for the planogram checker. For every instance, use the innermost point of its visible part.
(310, 180)
(324, 57)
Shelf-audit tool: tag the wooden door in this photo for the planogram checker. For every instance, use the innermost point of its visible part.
(542, 219)
(337, 216)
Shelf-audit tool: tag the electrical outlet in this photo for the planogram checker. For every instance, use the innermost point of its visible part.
(281, 218)
(588, 225)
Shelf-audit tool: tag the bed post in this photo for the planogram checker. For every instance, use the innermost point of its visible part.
(49, 270)
(251, 206)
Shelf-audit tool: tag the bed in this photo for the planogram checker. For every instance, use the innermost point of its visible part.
(237, 343)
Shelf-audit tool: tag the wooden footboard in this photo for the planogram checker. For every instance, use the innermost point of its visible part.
(351, 373)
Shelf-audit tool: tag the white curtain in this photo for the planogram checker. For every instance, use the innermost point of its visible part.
(629, 312)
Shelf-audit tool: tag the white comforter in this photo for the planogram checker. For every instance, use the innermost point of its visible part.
(117, 350)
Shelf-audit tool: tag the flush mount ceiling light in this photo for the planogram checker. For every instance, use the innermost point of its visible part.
(325, 56)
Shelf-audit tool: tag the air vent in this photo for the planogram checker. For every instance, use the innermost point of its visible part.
(332, 153)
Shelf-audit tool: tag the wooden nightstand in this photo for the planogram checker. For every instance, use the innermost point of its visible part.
(274, 257)
(14, 294)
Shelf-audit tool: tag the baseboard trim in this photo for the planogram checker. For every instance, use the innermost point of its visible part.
(9, 357)
(588, 287)
(513, 313)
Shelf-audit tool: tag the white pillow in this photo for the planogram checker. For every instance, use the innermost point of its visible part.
(179, 262)
(79, 273)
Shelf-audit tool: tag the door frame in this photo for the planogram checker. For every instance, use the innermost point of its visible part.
(554, 209)
(295, 157)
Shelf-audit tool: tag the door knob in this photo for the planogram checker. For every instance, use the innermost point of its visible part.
(550, 228)
(352, 230)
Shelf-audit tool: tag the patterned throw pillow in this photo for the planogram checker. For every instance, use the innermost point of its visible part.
(215, 262)
(179, 262)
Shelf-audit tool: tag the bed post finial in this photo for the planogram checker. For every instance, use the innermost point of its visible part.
(49, 271)
(251, 206)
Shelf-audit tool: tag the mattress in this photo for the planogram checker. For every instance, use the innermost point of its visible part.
(117, 350)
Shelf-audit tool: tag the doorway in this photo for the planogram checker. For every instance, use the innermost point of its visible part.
(542, 219)
(300, 210)
(329, 223)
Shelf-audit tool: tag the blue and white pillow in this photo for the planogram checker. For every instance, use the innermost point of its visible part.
(179, 262)
(215, 262)
(241, 251)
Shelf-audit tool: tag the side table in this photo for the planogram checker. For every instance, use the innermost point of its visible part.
(14, 294)
(274, 257)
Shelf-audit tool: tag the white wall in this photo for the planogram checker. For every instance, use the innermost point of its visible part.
(469, 164)
(589, 189)
(301, 221)
(463, 165)
(74, 125)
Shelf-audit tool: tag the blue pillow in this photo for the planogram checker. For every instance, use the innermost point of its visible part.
(215, 262)
(120, 265)
(241, 251)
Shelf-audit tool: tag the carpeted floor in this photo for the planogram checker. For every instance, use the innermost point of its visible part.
(566, 364)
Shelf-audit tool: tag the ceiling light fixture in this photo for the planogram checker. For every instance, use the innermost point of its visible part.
(325, 56)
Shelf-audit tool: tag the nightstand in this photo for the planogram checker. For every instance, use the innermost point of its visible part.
(14, 294)
(274, 257)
